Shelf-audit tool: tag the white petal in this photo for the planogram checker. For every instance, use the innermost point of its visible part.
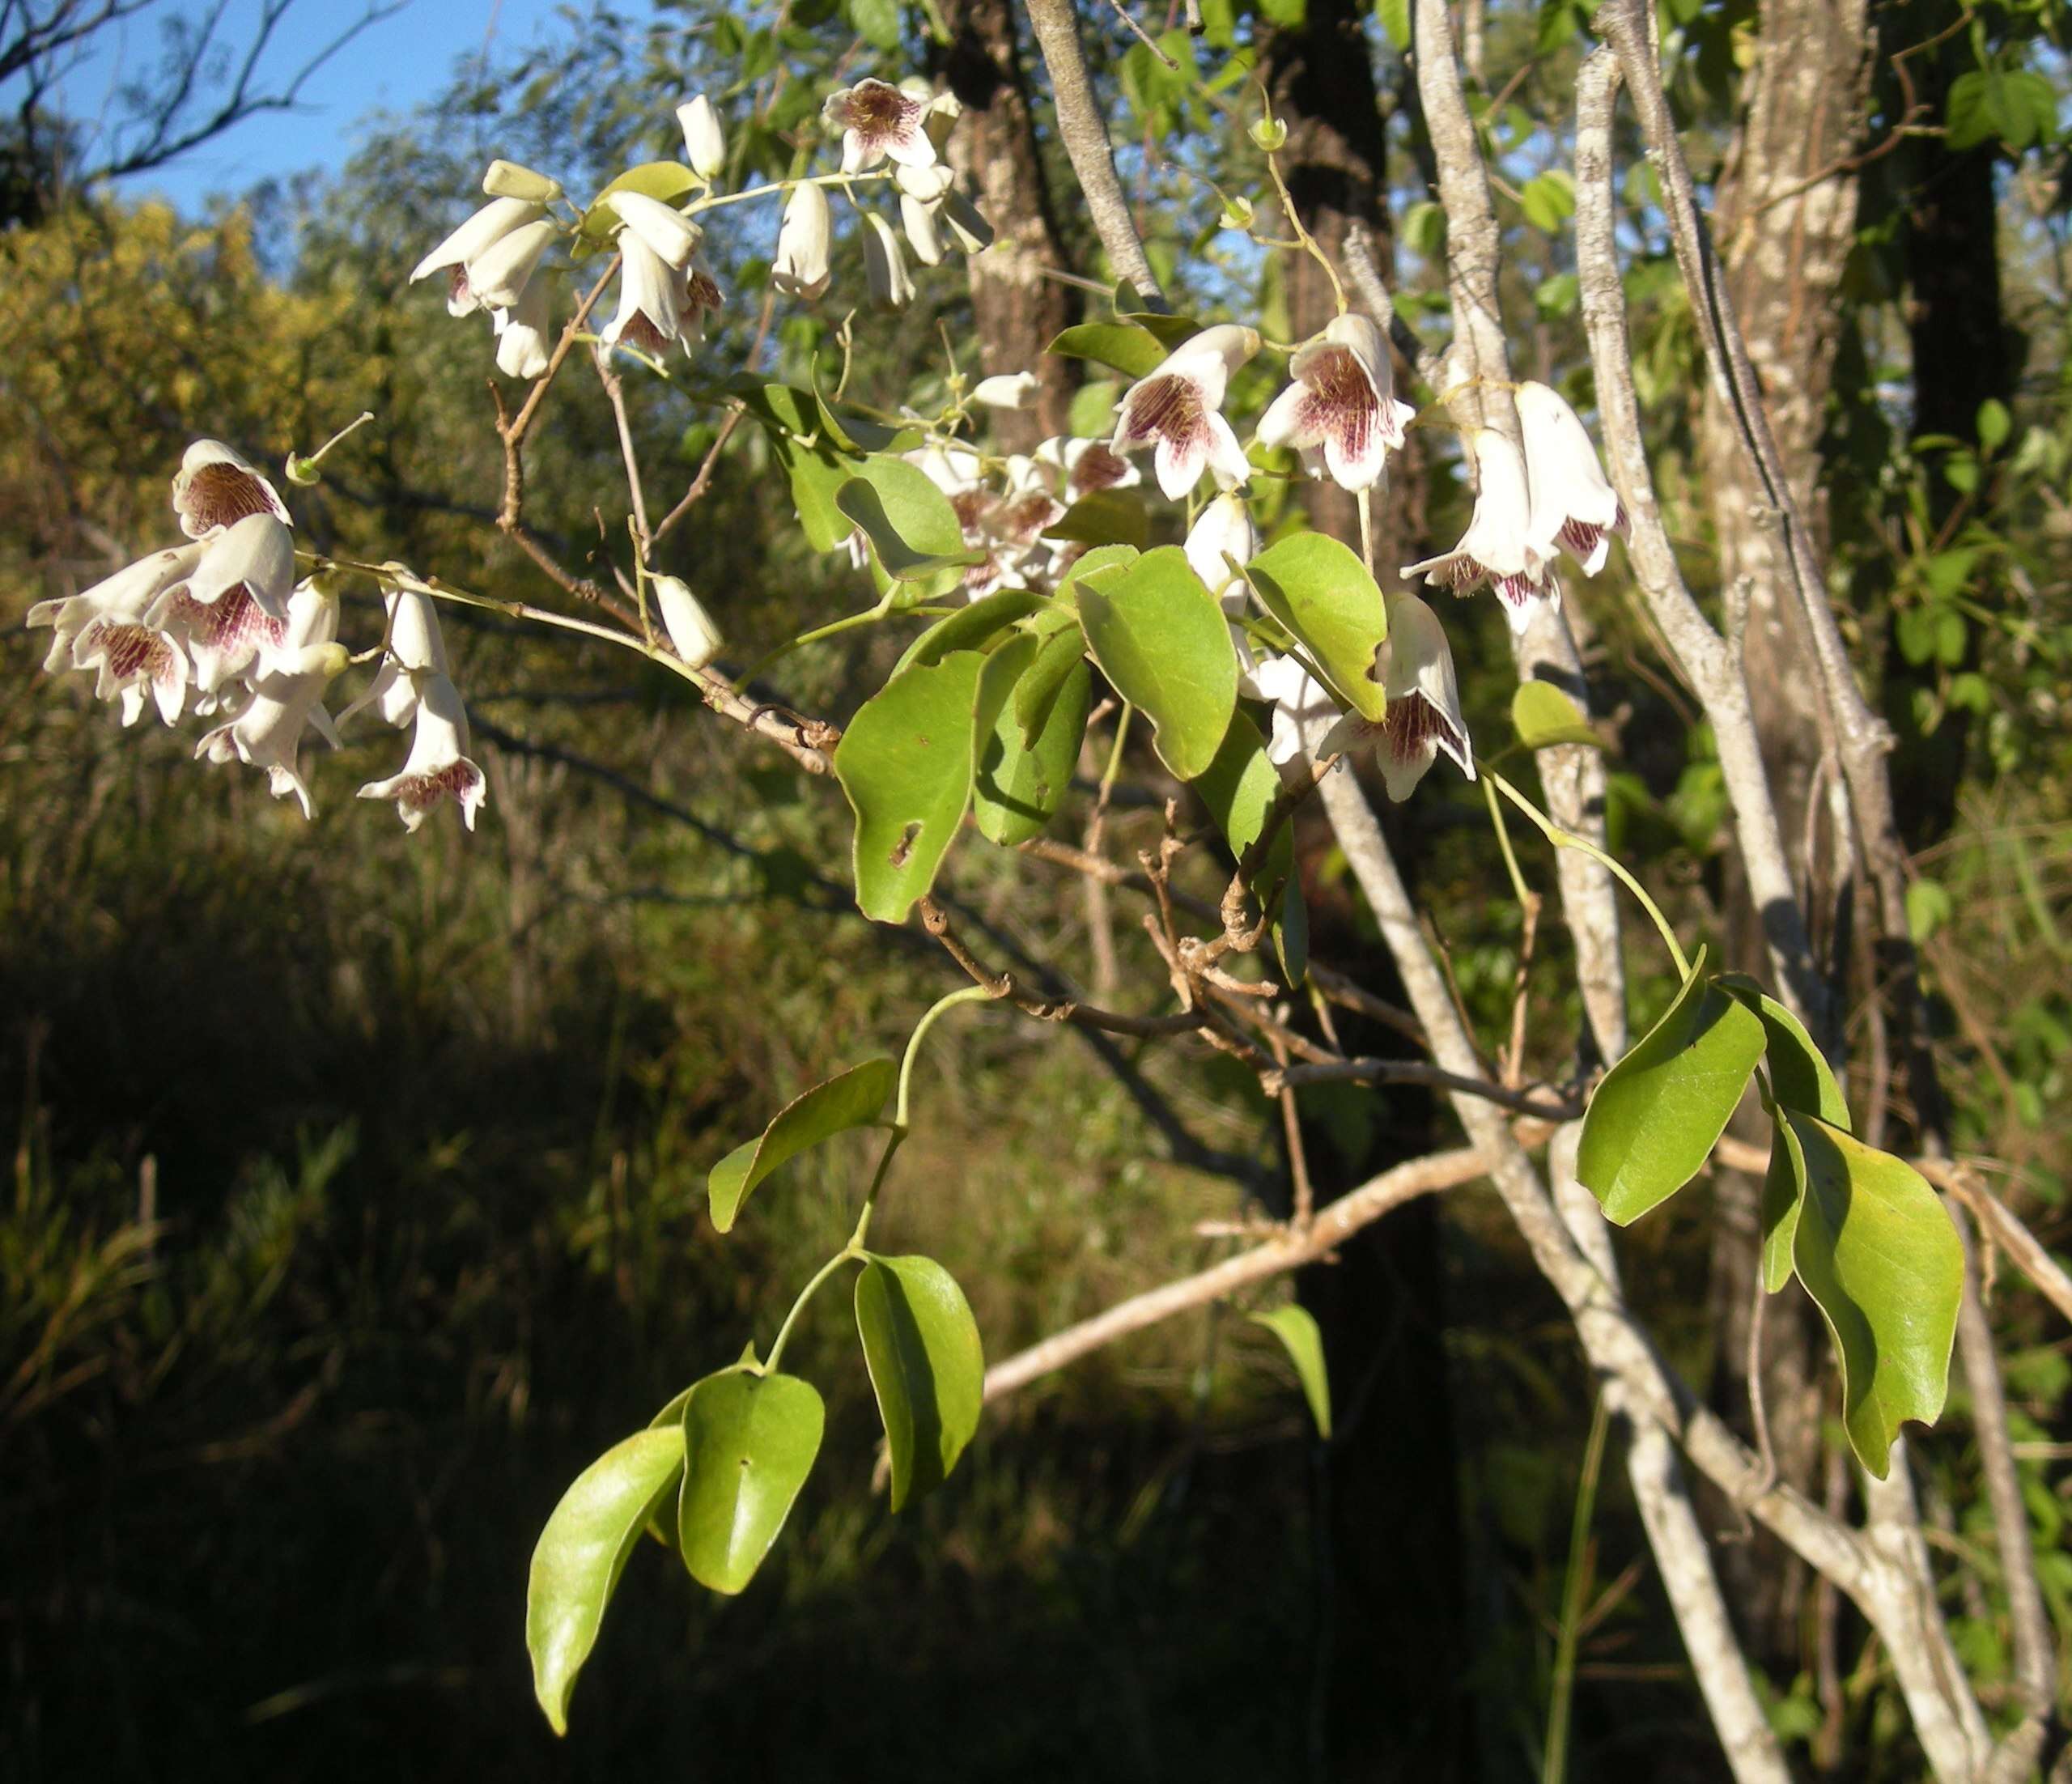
(498, 277)
(497, 219)
(1226, 457)
(665, 229)
(1279, 425)
(704, 143)
(259, 552)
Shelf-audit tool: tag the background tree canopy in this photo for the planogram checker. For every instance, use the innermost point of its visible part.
(358, 1179)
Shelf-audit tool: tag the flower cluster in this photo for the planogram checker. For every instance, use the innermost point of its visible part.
(221, 625)
(495, 262)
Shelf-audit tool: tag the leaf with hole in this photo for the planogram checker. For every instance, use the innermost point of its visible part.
(905, 764)
(1239, 789)
(1544, 716)
(854, 1098)
(1877, 1251)
(1656, 1117)
(1024, 773)
(926, 1367)
(582, 1552)
(1160, 638)
(1322, 592)
(913, 530)
(749, 1442)
(1296, 1327)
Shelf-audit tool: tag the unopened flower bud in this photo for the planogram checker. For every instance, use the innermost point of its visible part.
(691, 628)
(509, 179)
(704, 143)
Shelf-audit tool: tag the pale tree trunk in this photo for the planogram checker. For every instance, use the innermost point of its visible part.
(1017, 310)
(1785, 214)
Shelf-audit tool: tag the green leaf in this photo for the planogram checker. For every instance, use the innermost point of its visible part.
(1322, 592)
(1993, 423)
(876, 22)
(1093, 408)
(1395, 15)
(1025, 772)
(1135, 352)
(909, 521)
(1800, 1077)
(1654, 1119)
(1549, 200)
(749, 1442)
(850, 1099)
(1928, 907)
(1101, 560)
(1296, 1327)
(1062, 650)
(581, 1553)
(1877, 1252)
(1784, 1197)
(972, 628)
(905, 764)
(1105, 517)
(1161, 639)
(665, 181)
(927, 1368)
(1171, 331)
(1239, 788)
(1424, 228)
(1544, 716)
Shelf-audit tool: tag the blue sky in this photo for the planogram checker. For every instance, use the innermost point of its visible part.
(393, 65)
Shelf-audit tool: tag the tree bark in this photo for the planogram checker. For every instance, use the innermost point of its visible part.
(1785, 215)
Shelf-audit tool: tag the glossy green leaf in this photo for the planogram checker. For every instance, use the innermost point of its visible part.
(1160, 638)
(905, 764)
(1062, 650)
(1170, 331)
(853, 1098)
(665, 181)
(581, 1553)
(1800, 1077)
(1025, 772)
(1655, 1117)
(912, 529)
(972, 628)
(1105, 517)
(1296, 1327)
(1239, 788)
(1784, 1197)
(926, 1367)
(815, 475)
(749, 1442)
(1544, 716)
(1548, 199)
(1136, 352)
(1322, 592)
(1876, 1251)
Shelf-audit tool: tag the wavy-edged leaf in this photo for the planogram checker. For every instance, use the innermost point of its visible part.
(1160, 638)
(1784, 1197)
(1800, 1077)
(972, 628)
(1025, 772)
(1877, 1251)
(581, 1553)
(664, 181)
(853, 1098)
(1296, 1327)
(1544, 716)
(1322, 592)
(1656, 1117)
(927, 1365)
(749, 1442)
(905, 764)
(1239, 788)
(913, 530)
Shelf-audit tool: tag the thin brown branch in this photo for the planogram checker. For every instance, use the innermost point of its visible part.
(1372, 1070)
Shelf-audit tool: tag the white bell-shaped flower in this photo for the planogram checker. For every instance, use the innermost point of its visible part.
(1573, 509)
(1178, 410)
(669, 233)
(1340, 412)
(286, 700)
(878, 121)
(438, 768)
(1007, 390)
(134, 661)
(1224, 536)
(499, 217)
(217, 486)
(691, 629)
(1496, 548)
(1305, 713)
(885, 267)
(1084, 466)
(256, 555)
(919, 220)
(649, 317)
(704, 141)
(799, 268)
(222, 638)
(121, 599)
(1416, 669)
(522, 350)
(416, 655)
(496, 277)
